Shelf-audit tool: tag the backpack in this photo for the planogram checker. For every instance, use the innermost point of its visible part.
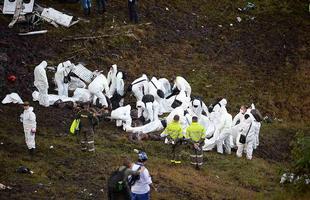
(116, 181)
(134, 178)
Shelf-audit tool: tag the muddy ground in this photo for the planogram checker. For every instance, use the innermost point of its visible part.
(264, 60)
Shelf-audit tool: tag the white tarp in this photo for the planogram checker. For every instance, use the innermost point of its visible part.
(56, 16)
(10, 6)
(12, 98)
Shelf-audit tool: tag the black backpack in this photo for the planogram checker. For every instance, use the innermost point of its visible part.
(116, 181)
(134, 178)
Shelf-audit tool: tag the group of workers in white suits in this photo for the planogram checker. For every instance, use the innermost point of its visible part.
(155, 97)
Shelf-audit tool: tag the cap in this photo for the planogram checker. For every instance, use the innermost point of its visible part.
(26, 103)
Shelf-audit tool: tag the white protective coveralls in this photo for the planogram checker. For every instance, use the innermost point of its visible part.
(119, 84)
(82, 94)
(154, 86)
(225, 123)
(166, 87)
(140, 87)
(181, 97)
(52, 98)
(153, 126)
(28, 118)
(249, 128)
(207, 124)
(12, 98)
(76, 83)
(63, 69)
(111, 79)
(236, 125)
(96, 88)
(149, 110)
(182, 85)
(198, 107)
(122, 114)
(215, 117)
(41, 83)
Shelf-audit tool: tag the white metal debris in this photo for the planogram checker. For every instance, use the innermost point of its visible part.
(33, 33)
(56, 16)
(9, 7)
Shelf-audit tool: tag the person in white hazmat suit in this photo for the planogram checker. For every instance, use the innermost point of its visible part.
(248, 129)
(257, 123)
(111, 80)
(140, 87)
(117, 98)
(237, 121)
(62, 77)
(122, 116)
(215, 117)
(179, 100)
(41, 83)
(225, 122)
(28, 118)
(96, 88)
(156, 89)
(149, 111)
(182, 85)
(199, 108)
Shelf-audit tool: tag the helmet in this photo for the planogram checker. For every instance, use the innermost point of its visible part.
(142, 156)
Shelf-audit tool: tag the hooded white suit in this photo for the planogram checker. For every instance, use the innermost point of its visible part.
(140, 87)
(63, 69)
(111, 79)
(96, 88)
(122, 116)
(41, 83)
(28, 118)
(248, 128)
(182, 85)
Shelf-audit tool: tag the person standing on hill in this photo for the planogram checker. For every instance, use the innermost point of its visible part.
(28, 118)
(86, 4)
(196, 133)
(88, 119)
(140, 187)
(173, 133)
(132, 7)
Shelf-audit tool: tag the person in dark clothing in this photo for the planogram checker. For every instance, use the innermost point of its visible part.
(101, 6)
(88, 119)
(132, 7)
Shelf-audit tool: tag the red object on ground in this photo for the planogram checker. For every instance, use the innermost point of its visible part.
(11, 78)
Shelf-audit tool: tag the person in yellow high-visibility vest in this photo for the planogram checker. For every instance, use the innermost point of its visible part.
(174, 135)
(196, 133)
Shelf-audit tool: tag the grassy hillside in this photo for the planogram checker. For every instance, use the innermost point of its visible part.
(263, 59)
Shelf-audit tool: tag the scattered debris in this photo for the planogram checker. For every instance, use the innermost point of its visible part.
(12, 98)
(167, 9)
(249, 6)
(231, 24)
(36, 14)
(9, 7)
(3, 187)
(239, 19)
(58, 17)
(292, 178)
(33, 32)
(220, 25)
(1, 143)
(51, 147)
(24, 170)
